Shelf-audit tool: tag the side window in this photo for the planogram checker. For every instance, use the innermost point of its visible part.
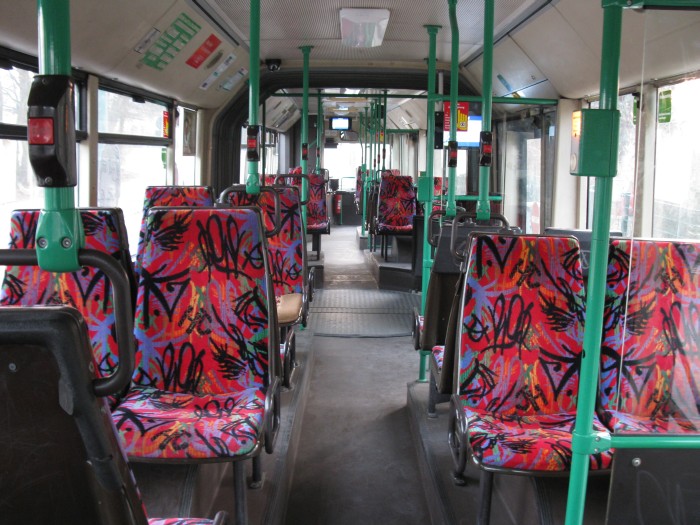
(677, 179)
(186, 147)
(132, 154)
(18, 188)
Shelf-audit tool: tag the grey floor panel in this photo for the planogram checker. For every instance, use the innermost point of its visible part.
(362, 313)
(386, 301)
(361, 325)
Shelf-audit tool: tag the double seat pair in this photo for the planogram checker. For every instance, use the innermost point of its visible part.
(519, 343)
(205, 383)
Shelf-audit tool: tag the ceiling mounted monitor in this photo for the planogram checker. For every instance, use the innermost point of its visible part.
(363, 27)
(340, 123)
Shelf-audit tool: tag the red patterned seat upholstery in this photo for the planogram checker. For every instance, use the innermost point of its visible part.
(60, 465)
(204, 329)
(88, 290)
(520, 343)
(317, 209)
(172, 196)
(650, 356)
(396, 205)
(287, 255)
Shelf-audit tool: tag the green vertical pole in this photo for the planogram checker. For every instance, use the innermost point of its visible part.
(59, 231)
(253, 180)
(584, 438)
(384, 115)
(429, 165)
(263, 144)
(451, 209)
(305, 50)
(483, 206)
(319, 131)
(365, 170)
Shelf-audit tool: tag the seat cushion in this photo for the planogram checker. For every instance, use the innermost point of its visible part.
(162, 425)
(621, 422)
(289, 308)
(180, 521)
(540, 442)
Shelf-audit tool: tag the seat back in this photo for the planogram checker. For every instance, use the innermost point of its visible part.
(61, 462)
(584, 240)
(396, 205)
(172, 196)
(521, 334)
(317, 209)
(287, 247)
(650, 355)
(204, 318)
(87, 290)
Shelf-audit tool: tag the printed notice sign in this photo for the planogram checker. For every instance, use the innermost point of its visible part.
(158, 53)
(462, 116)
(203, 52)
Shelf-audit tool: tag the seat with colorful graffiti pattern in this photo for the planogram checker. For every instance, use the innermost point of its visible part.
(519, 356)
(172, 196)
(396, 205)
(288, 265)
(317, 220)
(650, 355)
(61, 458)
(205, 385)
(87, 290)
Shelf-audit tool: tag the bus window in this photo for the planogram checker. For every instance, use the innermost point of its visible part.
(186, 148)
(129, 159)
(526, 156)
(677, 181)
(18, 188)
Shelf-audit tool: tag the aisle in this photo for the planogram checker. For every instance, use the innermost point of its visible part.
(356, 461)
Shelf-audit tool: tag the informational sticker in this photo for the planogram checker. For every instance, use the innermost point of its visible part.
(664, 107)
(233, 80)
(170, 42)
(462, 116)
(166, 124)
(203, 52)
(218, 72)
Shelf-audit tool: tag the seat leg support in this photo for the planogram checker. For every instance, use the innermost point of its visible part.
(485, 492)
(256, 480)
(239, 493)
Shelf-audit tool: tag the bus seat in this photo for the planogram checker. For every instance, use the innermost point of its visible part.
(650, 356)
(396, 207)
(520, 345)
(317, 221)
(584, 241)
(288, 262)
(60, 456)
(87, 290)
(358, 190)
(442, 306)
(172, 196)
(205, 386)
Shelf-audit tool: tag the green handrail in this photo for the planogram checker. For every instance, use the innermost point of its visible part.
(585, 441)
(483, 208)
(364, 174)
(427, 200)
(319, 131)
(305, 50)
(451, 208)
(59, 233)
(253, 180)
